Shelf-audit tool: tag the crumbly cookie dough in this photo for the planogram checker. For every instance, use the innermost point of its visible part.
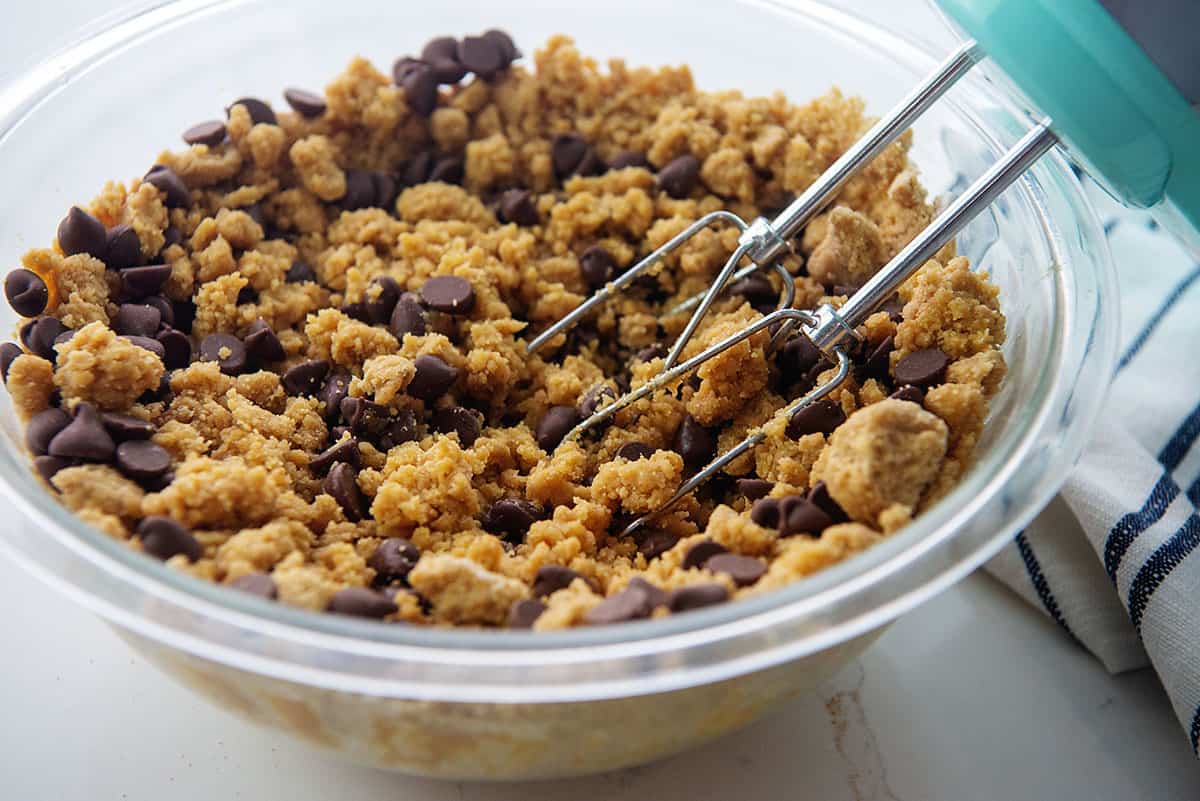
(291, 357)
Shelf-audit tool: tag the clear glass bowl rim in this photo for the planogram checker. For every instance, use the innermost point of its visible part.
(838, 603)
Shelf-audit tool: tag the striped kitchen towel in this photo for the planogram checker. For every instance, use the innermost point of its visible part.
(1126, 518)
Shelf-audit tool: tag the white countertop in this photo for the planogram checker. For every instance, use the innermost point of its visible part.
(972, 696)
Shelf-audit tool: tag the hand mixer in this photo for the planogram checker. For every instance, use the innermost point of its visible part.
(1110, 79)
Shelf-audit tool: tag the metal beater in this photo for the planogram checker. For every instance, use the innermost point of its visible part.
(762, 242)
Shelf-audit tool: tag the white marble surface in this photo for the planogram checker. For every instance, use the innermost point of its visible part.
(972, 696)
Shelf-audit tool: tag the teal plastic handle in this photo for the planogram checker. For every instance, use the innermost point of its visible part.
(1114, 109)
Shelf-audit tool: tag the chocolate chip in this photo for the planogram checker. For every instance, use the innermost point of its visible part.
(334, 390)
(43, 427)
(798, 515)
(164, 537)
(765, 512)
(171, 236)
(407, 317)
(820, 496)
(696, 596)
(364, 417)
(260, 113)
(226, 350)
(448, 170)
(651, 352)
(306, 104)
(894, 308)
(524, 613)
(819, 417)
(300, 273)
(634, 451)
(211, 133)
(657, 543)
(342, 484)
(597, 266)
(83, 438)
(909, 393)
(184, 312)
(259, 584)
(458, 420)
(518, 206)
(554, 425)
(757, 291)
(122, 249)
(432, 379)
(552, 578)
(701, 552)
(680, 176)
(175, 191)
(754, 488)
(148, 343)
(356, 310)
(393, 560)
(629, 158)
(345, 450)
(380, 299)
(401, 428)
(922, 368)
(262, 344)
(510, 517)
(48, 466)
(695, 443)
(482, 55)
(594, 398)
(449, 294)
(9, 352)
(507, 47)
(124, 427)
(842, 290)
(877, 361)
(361, 602)
(418, 168)
(142, 460)
(138, 282)
(246, 294)
(567, 151)
(360, 191)
(137, 319)
(404, 66)
(39, 336)
(385, 189)
(177, 348)
(80, 232)
(632, 603)
(306, 378)
(166, 310)
(441, 54)
(27, 293)
(744, 570)
(797, 356)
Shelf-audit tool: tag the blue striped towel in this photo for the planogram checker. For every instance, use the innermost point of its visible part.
(1126, 518)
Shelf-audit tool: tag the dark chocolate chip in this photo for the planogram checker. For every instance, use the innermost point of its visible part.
(519, 206)
(138, 282)
(356, 310)
(360, 191)
(306, 104)
(27, 293)
(634, 451)
(680, 176)
(818, 417)
(797, 356)
(448, 170)
(177, 348)
(43, 427)
(345, 450)
(171, 236)
(765, 512)
(701, 552)
(819, 495)
(511, 517)
(432, 379)
(211, 133)
(167, 181)
(299, 273)
(226, 350)
(754, 488)
(597, 266)
(524, 613)
(148, 343)
(9, 352)
(142, 460)
(342, 484)
(568, 151)
(259, 584)
(552, 578)
(909, 393)
(922, 368)
(336, 385)
(458, 420)
(306, 378)
(505, 42)
(246, 294)
(449, 294)
(442, 55)
(48, 466)
(166, 310)
(799, 515)
(631, 603)
(124, 427)
(657, 543)
(184, 312)
(164, 537)
(262, 344)
(393, 560)
(385, 189)
(39, 336)
(137, 319)
(364, 417)
(894, 308)
(877, 361)
(260, 112)
(695, 443)
(843, 290)
(594, 398)
(362, 602)
(651, 352)
(80, 232)
(697, 596)
(482, 55)
(83, 438)
(65, 336)
(757, 291)
(380, 299)
(401, 428)
(418, 168)
(123, 248)
(407, 317)
(629, 158)
(744, 570)
(554, 425)
(405, 66)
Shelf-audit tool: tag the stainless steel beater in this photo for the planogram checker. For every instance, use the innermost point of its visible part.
(762, 242)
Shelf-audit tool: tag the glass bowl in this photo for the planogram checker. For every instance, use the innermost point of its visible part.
(511, 704)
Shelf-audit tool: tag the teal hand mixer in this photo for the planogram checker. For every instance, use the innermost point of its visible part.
(1113, 81)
